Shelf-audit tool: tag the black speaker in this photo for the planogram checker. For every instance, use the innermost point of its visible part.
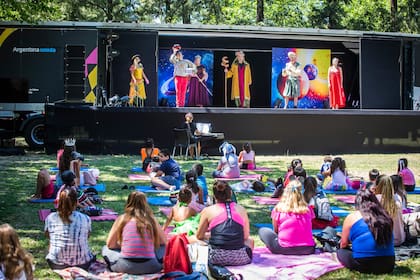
(74, 93)
(74, 73)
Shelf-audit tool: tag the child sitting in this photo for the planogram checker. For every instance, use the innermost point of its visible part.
(325, 169)
(185, 218)
(373, 174)
(201, 180)
(339, 180)
(246, 157)
(407, 175)
(228, 166)
(296, 162)
(197, 201)
(69, 181)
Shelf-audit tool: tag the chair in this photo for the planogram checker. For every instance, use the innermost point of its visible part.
(184, 139)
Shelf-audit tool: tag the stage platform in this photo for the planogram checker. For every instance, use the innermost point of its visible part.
(271, 131)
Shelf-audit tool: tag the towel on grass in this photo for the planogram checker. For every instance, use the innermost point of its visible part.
(348, 199)
(107, 215)
(159, 201)
(99, 271)
(139, 177)
(258, 169)
(137, 169)
(241, 177)
(150, 189)
(41, 200)
(349, 191)
(266, 265)
(264, 200)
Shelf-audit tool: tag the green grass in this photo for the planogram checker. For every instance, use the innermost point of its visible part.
(18, 175)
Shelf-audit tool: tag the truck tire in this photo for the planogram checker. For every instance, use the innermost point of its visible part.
(34, 133)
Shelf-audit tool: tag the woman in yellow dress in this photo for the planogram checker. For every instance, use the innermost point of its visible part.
(138, 77)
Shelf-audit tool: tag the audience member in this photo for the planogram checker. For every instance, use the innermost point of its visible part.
(339, 179)
(292, 224)
(197, 201)
(407, 175)
(385, 195)
(295, 163)
(228, 166)
(399, 191)
(201, 180)
(68, 179)
(185, 218)
(318, 200)
(136, 242)
(230, 242)
(168, 175)
(325, 169)
(68, 231)
(373, 174)
(15, 262)
(44, 186)
(148, 152)
(369, 231)
(246, 157)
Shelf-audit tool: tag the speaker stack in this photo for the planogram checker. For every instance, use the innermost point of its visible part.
(74, 73)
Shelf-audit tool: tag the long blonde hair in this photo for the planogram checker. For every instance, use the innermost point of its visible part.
(138, 208)
(385, 188)
(292, 199)
(14, 258)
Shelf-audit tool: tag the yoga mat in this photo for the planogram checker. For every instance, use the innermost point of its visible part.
(149, 189)
(241, 177)
(139, 177)
(264, 200)
(137, 169)
(55, 169)
(348, 199)
(338, 211)
(98, 187)
(416, 191)
(349, 191)
(107, 215)
(314, 231)
(41, 200)
(159, 201)
(260, 169)
(266, 265)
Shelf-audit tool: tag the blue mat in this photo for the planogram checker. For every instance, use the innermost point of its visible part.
(314, 231)
(55, 169)
(416, 191)
(98, 187)
(350, 191)
(159, 201)
(137, 169)
(340, 212)
(149, 189)
(41, 200)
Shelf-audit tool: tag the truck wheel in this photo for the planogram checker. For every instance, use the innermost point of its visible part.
(35, 133)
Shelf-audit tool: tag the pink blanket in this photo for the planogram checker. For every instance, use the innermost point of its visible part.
(260, 169)
(348, 199)
(266, 265)
(241, 177)
(264, 200)
(139, 177)
(107, 215)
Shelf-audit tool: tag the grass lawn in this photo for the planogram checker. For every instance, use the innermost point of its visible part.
(18, 175)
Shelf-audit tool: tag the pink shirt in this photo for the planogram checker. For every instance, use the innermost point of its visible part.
(294, 229)
(135, 246)
(407, 177)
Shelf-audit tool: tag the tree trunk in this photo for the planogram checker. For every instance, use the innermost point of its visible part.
(260, 11)
(109, 6)
(168, 16)
(394, 7)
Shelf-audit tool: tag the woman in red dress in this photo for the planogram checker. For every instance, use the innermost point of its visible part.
(335, 85)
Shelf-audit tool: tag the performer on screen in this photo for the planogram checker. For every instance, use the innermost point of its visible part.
(240, 72)
(292, 88)
(137, 92)
(198, 92)
(183, 69)
(335, 85)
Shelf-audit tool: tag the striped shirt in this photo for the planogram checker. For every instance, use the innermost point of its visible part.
(133, 245)
(69, 242)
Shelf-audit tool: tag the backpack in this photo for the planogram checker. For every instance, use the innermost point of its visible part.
(322, 207)
(176, 255)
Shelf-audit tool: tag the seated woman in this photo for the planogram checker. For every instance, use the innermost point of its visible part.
(369, 231)
(185, 218)
(246, 157)
(385, 194)
(339, 179)
(148, 152)
(15, 262)
(318, 200)
(228, 166)
(136, 242)
(292, 234)
(229, 243)
(68, 231)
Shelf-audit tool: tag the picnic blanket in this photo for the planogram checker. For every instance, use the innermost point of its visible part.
(264, 200)
(314, 231)
(159, 201)
(258, 169)
(99, 271)
(241, 177)
(139, 177)
(348, 199)
(41, 200)
(150, 189)
(266, 265)
(98, 187)
(107, 215)
(349, 191)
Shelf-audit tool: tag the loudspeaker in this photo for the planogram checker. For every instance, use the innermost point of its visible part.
(74, 73)
(74, 93)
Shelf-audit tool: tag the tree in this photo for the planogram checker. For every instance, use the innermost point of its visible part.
(28, 11)
(260, 11)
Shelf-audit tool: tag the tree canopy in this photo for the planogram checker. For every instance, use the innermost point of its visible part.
(369, 15)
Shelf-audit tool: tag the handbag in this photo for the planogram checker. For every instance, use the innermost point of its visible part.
(220, 272)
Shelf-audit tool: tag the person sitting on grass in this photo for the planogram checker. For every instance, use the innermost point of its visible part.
(197, 201)
(373, 174)
(68, 231)
(292, 224)
(168, 175)
(45, 188)
(15, 262)
(185, 217)
(69, 182)
(369, 231)
(290, 170)
(318, 200)
(201, 180)
(228, 166)
(325, 169)
(408, 179)
(228, 223)
(148, 152)
(399, 191)
(339, 179)
(136, 241)
(246, 157)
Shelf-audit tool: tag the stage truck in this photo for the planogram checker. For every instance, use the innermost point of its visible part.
(61, 71)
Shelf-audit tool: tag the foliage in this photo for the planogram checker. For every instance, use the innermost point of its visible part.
(30, 10)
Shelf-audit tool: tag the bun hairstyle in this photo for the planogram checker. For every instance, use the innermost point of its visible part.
(185, 195)
(222, 191)
(247, 147)
(402, 164)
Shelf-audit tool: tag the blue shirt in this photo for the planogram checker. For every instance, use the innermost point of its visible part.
(171, 168)
(364, 245)
(201, 181)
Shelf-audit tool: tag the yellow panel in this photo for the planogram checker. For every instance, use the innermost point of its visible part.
(90, 98)
(93, 77)
(6, 33)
